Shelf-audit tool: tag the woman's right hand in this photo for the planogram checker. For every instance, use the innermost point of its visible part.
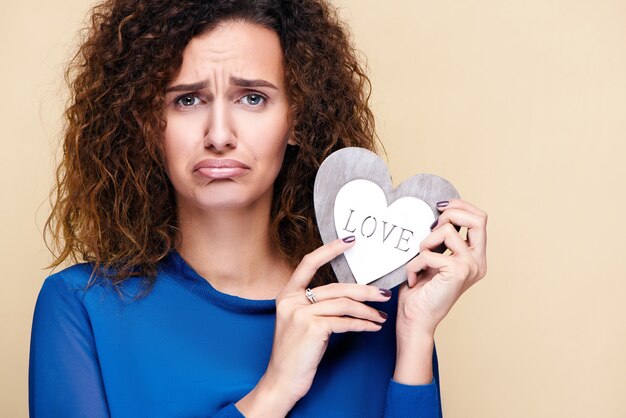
(303, 329)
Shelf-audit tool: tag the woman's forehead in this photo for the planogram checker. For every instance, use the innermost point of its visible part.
(234, 49)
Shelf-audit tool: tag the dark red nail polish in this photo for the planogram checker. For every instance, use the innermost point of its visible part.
(434, 224)
(443, 203)
(349, 239)
(385, 292)
(382, 314)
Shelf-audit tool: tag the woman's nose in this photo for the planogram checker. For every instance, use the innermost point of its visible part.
(219, 135)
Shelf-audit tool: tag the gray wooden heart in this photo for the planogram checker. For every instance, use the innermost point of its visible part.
(345, 166)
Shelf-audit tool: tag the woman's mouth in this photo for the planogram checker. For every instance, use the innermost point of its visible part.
(214, 168)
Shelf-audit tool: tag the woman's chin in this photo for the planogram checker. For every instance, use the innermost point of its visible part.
(225, 201)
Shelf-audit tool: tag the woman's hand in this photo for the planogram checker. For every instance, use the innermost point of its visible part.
(435, 282)
(303, 329)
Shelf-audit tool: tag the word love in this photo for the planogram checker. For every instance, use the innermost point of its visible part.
(369, 225)
(387, 236)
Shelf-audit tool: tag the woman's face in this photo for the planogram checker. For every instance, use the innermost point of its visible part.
(227, 119)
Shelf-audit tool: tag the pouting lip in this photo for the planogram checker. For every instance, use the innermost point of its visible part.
(219, 163)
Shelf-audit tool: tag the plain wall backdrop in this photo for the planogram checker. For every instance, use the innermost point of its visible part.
(521, 104)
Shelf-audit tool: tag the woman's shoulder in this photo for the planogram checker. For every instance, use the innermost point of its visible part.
(60, 303)
(78, 295)
(77, 277)
(84, 280)
(77, 274)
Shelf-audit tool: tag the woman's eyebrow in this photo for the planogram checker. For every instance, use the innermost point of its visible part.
(235, 81)
(187, 87)
(242, 82)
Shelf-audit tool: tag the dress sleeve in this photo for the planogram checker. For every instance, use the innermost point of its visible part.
(421, 401)
(64, 372)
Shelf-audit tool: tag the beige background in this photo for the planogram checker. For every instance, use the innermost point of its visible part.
(520, 103)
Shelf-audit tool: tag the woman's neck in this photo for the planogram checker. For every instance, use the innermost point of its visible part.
(234, 251)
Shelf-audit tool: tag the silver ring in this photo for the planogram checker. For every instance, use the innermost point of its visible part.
(310, 295)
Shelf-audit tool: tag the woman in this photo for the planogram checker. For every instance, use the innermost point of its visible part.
(193, 137)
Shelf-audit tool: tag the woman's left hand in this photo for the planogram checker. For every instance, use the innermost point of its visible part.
(436, 281)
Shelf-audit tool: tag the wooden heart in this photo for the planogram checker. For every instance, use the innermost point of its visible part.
(353, 195)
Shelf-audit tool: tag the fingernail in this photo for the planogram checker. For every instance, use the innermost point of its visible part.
(434, 224)
(349, 239)
(385, 292)
(443, 203)
(382, 314)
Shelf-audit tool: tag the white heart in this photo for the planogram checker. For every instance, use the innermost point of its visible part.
(387, 236)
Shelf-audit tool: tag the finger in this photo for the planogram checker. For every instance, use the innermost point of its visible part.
(447, 235)
(476, 226)
(347, 324)
(346, 307)
(428, 259)
(465, 257)
(459, 204)
(458, 217)
(442, 248)
(358, 292)
(313, 261)
(464, 271)
(417, 278)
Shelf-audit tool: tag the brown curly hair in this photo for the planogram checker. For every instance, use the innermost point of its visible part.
(113, 204)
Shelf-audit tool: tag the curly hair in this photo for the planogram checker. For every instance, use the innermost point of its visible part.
(113, 204)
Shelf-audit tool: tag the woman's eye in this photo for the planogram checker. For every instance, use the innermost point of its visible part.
(188, 100)
(253, 99)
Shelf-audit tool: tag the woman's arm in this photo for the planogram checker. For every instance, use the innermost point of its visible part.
(64, 373)
(435, 282)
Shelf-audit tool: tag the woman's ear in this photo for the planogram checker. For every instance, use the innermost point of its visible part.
(291, 137)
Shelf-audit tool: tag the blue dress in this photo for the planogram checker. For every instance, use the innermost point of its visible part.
(188, 350)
